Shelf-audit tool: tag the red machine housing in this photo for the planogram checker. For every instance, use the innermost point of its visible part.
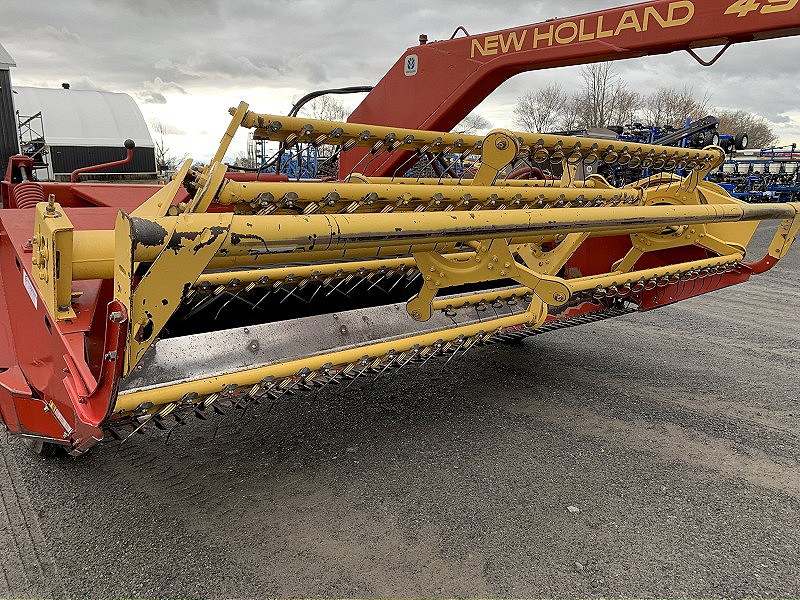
(435, 85)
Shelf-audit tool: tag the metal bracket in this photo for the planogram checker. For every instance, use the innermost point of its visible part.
(499, 149)
(685, 235)
(708, 63)
(158, 204)
(492, 261)
(185, 253)
(550, 262)
(52, 258)
(211, 180)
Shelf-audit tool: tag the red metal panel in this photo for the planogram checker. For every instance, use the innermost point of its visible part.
(662, 296)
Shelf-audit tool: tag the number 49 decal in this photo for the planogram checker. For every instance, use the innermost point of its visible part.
(742, 8)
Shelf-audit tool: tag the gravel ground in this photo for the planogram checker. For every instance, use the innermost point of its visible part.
(652, 455)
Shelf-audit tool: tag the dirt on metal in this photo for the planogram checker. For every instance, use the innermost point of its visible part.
(655, 454)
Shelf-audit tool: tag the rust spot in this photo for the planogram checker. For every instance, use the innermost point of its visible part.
(147, 233)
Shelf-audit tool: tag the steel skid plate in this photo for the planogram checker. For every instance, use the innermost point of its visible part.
(169, 362)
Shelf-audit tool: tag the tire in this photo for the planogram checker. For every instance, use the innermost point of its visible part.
(700, 139)
(741, 141)
(45, 449)
(714, 139)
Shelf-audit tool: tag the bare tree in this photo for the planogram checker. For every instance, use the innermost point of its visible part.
(541, 110)
(604, 99)
(245, 159)
(165, 160)
(759, 132)
(471, 124)
(326, 108)
(672, 106)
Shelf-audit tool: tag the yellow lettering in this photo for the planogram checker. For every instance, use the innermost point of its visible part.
(542, 37)
(571, 37)
(490, 44)
(629, 20)
(674, 7)
(679, 12)
(651, 12)
(584, 37)
(600, 32)
(506, 42)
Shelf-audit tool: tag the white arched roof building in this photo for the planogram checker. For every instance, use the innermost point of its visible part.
(78, 128)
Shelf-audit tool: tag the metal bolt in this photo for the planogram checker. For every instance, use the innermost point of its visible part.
(115, 317)
(343, 330)
(559, 297)
(253, 346)
(501, 143)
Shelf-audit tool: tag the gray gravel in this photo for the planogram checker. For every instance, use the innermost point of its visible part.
(673, 433)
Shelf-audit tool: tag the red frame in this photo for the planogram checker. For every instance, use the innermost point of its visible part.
(454, 76)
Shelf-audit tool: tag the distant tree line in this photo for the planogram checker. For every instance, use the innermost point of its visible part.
(604, 99)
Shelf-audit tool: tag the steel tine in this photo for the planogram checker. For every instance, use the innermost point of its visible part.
(375, 283)
(316, 291)
(344, 373)
(136, 430)
(178, 422)
(326, 370)
(413, 279)
(231, 299)
(414, 351)
(455, 352)
(400, 277)
(471, 343)
(288, 385)
(357, 283)
(264, 297)
(292, 293)
(435, 350)
(394, 357)
(202, 304)
(336, 287)
(412, 354)
(365, 361)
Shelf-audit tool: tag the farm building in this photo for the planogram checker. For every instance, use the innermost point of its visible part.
(65, 129)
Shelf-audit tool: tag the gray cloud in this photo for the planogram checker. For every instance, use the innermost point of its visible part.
(209, 47)
(154, 92)
(61, 34)
(152, 97)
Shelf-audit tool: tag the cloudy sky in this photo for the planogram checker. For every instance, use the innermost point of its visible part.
(185, 62)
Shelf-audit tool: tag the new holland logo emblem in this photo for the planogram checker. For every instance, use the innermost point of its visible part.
(412, 65)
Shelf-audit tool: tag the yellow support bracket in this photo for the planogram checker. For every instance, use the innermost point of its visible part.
(499, 149)
(158, 204)
(52, 258)
(185, 253)
(550, 262)
(492, 261)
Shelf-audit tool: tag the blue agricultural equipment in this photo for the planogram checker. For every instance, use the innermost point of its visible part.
(770, 175)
